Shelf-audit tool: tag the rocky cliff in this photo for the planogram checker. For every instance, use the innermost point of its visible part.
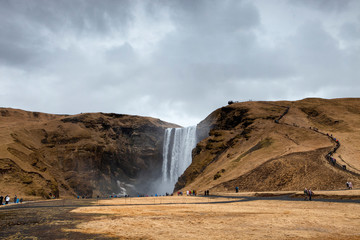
(87, 154)
(262, 146)
(256, 146)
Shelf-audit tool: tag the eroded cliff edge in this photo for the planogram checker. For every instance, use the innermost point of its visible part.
(87, 154)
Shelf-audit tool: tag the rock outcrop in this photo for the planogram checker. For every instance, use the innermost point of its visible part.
(87, 154)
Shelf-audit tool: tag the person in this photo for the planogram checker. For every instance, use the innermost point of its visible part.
(347, 185)
(1, 200)
(350, 185)
(15, 198)
(306, 193)
(7, 199)
(237, 189)
(310, 194)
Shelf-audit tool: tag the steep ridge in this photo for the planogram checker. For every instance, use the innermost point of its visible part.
(87, 154)
(261, 146)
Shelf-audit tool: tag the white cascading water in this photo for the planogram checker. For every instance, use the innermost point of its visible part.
(177, 149)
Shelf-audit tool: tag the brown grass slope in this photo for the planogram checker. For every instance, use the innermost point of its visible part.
(85, 154)
(247, 148)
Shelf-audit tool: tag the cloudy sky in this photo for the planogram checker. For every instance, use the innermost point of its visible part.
(174, 60)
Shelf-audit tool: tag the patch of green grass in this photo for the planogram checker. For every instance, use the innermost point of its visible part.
(218, 174)
(262, 144)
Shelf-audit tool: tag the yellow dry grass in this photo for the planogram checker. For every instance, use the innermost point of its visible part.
(339, 117)
(181, 218)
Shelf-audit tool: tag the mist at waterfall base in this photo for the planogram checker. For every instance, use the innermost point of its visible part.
(176, 158)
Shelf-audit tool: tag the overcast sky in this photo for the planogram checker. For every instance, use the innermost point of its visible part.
(175, 60)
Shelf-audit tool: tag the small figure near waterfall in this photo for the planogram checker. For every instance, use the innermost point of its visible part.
(310, 193)
(306, 193)
(7, 199)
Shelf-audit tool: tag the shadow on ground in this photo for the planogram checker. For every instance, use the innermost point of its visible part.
(45, 220)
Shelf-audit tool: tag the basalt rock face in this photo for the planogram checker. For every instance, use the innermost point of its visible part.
(86, 154)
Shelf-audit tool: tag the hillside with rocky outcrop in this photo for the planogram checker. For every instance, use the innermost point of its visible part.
(262, 146)
(90, 154)
(256, 146)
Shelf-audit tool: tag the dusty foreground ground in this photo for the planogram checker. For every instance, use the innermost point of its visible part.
(234, 217)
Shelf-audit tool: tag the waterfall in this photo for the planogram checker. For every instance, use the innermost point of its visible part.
(177, 148)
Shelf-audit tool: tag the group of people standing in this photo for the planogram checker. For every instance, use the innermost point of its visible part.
(188, 193)
(6, 200)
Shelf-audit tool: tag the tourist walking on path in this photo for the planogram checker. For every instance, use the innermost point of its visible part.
(310, 194)
(15, 198)
(7, 199)
(306, 193)
(1, 200)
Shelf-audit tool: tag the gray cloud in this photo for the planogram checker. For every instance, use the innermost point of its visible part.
(351, 31)
(176, 60)
(215, 16)
(323, 5)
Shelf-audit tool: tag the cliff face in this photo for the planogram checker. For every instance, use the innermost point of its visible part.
(257, 146)
(262, 146)
(85, 154)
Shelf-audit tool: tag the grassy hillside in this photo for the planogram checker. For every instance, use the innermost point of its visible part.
(257, 146)
(260, 146)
